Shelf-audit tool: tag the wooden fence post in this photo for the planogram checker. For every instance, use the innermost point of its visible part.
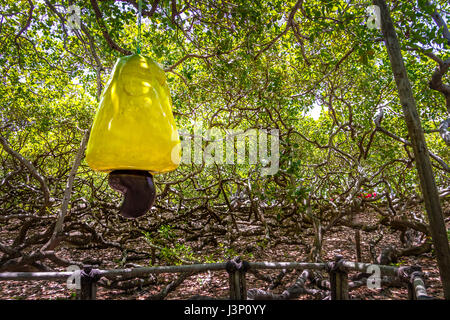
(88, 281)
(413, 277)
(236, 274)
(418, 285)
(88, 291)
(338, 279)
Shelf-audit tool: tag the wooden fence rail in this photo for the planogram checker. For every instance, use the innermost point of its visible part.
(338, 270)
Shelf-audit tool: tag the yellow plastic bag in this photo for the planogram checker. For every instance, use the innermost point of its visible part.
(134, 128)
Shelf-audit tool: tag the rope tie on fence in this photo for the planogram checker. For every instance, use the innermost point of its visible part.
(337, 265)
(408, 273)
(90, 275)
(237, 265)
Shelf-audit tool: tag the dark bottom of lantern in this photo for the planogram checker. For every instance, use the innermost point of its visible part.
(138, 189)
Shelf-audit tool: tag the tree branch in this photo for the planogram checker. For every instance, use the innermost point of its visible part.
(31, 168)
(54, 240)
(106, 35)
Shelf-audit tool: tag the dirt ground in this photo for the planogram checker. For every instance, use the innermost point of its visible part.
(215, 284)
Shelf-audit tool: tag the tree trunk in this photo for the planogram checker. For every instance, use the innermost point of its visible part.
(423, 165)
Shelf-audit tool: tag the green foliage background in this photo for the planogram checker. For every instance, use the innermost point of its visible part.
(232, 65)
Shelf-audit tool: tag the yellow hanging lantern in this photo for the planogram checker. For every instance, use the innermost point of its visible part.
(134, 127)
(134, 132)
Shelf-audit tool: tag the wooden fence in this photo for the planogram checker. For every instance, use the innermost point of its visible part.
(338, 270)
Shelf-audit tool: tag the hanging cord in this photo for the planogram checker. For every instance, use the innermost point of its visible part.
(138, 42)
